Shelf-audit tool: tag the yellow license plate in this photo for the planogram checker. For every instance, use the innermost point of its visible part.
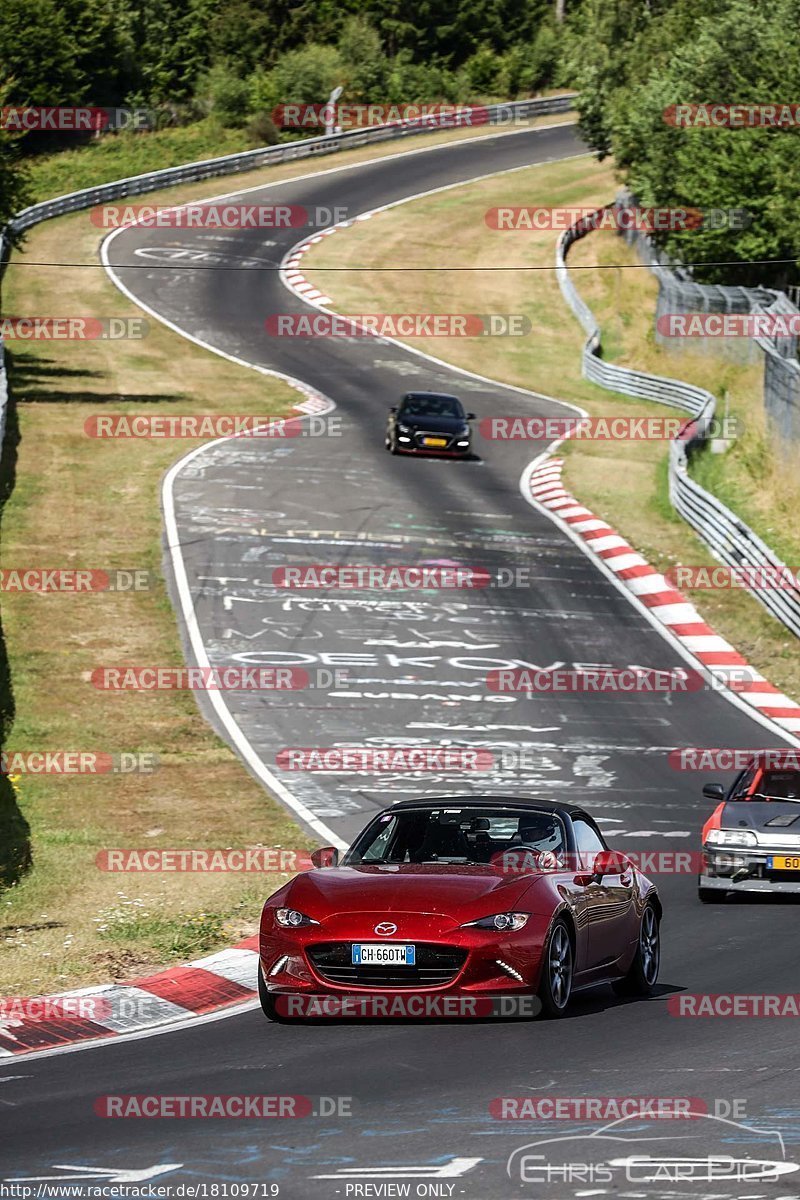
(785, 862)
(434, 441)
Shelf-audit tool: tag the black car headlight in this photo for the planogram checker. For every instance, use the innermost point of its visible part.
(500, 922)
(290, 918)
(401, 428)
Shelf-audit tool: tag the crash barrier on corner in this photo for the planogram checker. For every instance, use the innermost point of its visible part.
(678, 293)
(781, 375)
(729, 539)
(249, 160)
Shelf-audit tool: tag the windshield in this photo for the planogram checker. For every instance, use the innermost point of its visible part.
(431, 406)
(777, 785)
(455, 835)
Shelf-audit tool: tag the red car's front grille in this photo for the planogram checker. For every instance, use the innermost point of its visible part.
(435, 965)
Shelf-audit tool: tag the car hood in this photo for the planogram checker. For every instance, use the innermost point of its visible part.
(458, 891)
(774, 821)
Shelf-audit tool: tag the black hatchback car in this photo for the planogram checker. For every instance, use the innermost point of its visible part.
(429, 423)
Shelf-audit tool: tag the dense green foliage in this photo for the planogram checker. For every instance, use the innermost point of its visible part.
(181, 54)
(633, 59)
(226, 64)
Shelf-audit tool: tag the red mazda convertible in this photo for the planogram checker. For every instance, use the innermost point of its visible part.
(450, 906)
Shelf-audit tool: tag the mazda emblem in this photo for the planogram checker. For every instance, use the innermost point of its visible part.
(385, 929)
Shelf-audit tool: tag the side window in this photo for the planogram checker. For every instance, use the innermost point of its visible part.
(742, 785)
(589, 842)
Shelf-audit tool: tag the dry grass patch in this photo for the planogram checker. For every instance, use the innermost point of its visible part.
(80, 502)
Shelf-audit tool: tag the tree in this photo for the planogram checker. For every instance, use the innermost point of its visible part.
(13, 180)
(697, 52)
(308, 75)
(365, 65)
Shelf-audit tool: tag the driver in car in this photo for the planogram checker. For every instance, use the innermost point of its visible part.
(538, 843)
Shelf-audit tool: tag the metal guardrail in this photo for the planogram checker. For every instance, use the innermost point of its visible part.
(781, 373)
(729, 539)
(678, 293)
(249, 160)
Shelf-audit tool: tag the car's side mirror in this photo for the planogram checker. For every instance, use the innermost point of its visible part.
(610, 862)
(393, 408)
(326, 856)
(470, 416)
(713, 791)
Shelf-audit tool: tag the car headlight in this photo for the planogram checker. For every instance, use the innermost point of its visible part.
(500, 921)
(403, 428)
(731, 837)
(290, 918)
(465, 432)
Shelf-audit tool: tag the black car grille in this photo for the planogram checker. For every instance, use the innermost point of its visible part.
(435, 965)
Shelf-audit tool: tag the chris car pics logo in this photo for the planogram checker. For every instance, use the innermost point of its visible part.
(670, 1153)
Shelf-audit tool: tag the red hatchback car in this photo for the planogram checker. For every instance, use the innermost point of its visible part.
(469, 898)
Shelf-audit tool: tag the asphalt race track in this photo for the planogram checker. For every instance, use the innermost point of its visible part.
(416, 665)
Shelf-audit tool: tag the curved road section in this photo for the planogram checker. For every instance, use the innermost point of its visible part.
(410, 1105)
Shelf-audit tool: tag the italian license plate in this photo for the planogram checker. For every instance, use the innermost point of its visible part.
(784, 862)
(377, 955)
(434, 441)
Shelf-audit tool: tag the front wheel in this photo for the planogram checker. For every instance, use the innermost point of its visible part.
(643, 973)
(557, 971)
(266, 998)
